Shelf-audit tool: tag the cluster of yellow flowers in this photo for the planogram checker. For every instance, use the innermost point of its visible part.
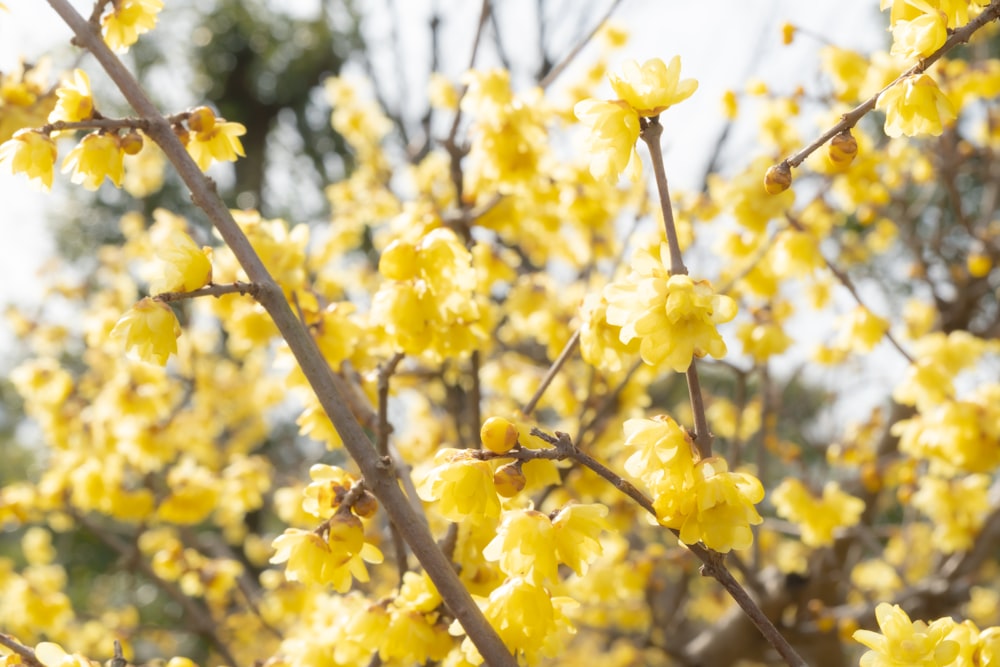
(101, 154)
(453, 268)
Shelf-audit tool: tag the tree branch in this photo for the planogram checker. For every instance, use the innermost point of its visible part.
(377, 470)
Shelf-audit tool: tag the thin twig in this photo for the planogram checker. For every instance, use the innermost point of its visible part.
(455, 152)
(568, 58)
(650, 134)
(702, 435)
(377, 470)
(210, 290)
(714, 562)
(26, 652)
(550, 374)
(852, 117)
(846, 281)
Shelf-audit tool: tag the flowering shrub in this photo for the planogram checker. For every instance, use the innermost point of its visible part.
(524, 428)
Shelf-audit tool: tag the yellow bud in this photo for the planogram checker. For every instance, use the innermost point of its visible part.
(978, 264)
(843, 148)
(778, 178)
(509, 479)
(202, 119)
(787, 33)
(498, 435)
(131, 143)
(871, 478)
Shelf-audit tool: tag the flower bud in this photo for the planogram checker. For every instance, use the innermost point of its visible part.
(131, 143)
(498, 435)
(843, 148)
(778, 178)
(365, 506)
(202, 119)
(509, 479)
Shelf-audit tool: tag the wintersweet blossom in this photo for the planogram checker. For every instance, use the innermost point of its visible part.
(674, 316)
(127, 20)
(818, 517)
(643, 91)
(915, 106)
(218, 141)
(75, 101)
(330, 562)
(463, 486)
(906, 643)
(53, 655)
(922, 35)
(149, 330)
(717, 510)
(96, 157)
(614, 129)
(30, 153)
(652, 87)
(184, 267)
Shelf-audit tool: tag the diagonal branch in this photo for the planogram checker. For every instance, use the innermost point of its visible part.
(330, 389)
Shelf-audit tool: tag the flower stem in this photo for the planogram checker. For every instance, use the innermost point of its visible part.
(650, 134)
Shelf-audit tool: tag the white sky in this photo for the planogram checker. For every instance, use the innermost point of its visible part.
(722, 44)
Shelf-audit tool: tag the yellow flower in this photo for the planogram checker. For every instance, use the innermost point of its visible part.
(527, 618)
(332, 561)
(127, 20)
(717, 511)
(53, 655)
(906, 643)
(922, 35)
(525, 547)
(75, 100)
(660, 449)
(194, 494)
(861, 330)
(97, 156)
(600, 344)
(818, 517)
(150, 330)
(674, 316)
(730, 105)
(185, 267)
(330, 483)
(956, 507)
(30, 153)
(463, 485)
(216, 141)
(915, 106)
(614, 129)
(652, 87)
(577, 528)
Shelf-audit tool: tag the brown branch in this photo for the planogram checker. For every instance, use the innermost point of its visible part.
(26, 652)
(382, 432)
(650, 134)
(714, 562)
(210, 290)
(330, 389)
(702, 437)
(852, 117)
(550, 374)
